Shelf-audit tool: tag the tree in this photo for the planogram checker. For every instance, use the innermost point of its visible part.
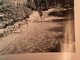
(30, 4)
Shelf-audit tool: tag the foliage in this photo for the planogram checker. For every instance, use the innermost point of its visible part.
(31, 5)
(12, 11)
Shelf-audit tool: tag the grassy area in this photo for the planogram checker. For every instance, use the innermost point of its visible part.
(41, 37)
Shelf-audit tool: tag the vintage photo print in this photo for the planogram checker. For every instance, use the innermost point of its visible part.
(36, 26)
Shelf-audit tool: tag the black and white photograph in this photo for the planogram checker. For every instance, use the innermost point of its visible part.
(36, 26)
